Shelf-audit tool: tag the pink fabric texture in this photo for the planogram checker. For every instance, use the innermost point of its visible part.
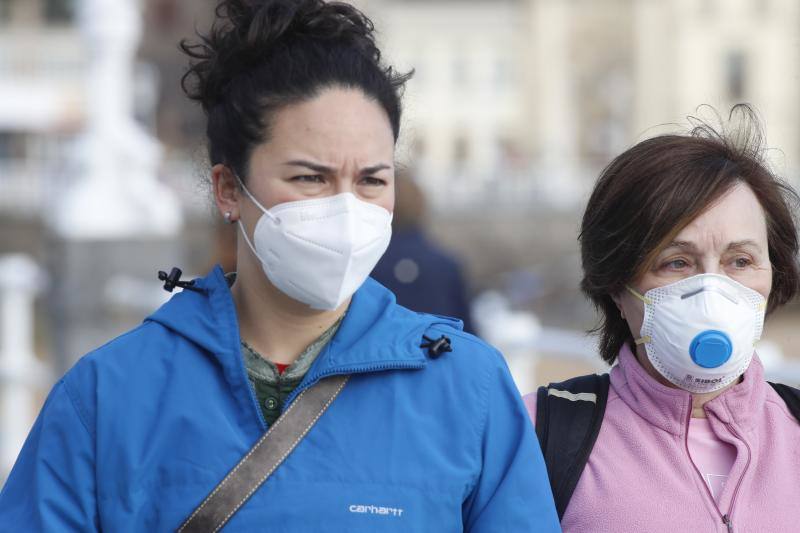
(640, 476)
(713, 456)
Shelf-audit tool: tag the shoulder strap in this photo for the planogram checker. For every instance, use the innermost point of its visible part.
(791, 396)
(264, 457)
(568, 420)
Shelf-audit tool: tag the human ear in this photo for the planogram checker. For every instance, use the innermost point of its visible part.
(226, 192)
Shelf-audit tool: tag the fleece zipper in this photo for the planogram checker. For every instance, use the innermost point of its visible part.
(725, 517)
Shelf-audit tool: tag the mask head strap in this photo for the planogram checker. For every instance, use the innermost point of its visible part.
(646, 301)
(641, 297)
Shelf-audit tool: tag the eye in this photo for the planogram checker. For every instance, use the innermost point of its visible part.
(311, 178)
(675, 264)
(373, 181)
(742, 262)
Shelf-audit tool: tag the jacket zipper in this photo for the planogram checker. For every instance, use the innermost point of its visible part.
(726, 518)
(351, 370)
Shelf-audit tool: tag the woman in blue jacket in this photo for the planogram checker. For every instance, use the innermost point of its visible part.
(302, 123)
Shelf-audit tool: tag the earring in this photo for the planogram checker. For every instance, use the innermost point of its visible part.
(228, 217)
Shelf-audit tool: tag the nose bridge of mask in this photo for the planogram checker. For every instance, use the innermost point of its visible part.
(733, 298)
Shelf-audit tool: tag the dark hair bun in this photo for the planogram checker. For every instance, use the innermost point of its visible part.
(262, 55)
(248, 32)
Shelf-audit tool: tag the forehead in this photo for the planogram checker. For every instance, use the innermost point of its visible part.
(736, 216)
(336, 126)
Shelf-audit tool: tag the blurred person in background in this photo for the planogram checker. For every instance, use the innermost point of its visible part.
(687, 241)
(427, 433)
(423, 276)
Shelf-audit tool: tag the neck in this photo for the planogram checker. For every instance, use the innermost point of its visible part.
(276, 326)
(699, 400)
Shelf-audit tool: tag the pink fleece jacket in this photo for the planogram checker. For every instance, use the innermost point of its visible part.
(640, 477)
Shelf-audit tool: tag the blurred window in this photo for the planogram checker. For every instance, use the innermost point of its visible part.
(59, 11)
(736, 75)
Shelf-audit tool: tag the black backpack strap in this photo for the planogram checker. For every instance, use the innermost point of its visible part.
(568, 419)
(791, 396)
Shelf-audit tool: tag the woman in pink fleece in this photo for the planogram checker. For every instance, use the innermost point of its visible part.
(687, 242)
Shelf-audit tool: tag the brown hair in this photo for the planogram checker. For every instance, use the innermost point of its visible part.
(650, 192)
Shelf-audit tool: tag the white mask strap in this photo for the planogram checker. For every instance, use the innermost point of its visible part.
(253, 199)
(247, 240)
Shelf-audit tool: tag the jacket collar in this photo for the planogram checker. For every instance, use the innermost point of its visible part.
(669, 408)
(376, 333)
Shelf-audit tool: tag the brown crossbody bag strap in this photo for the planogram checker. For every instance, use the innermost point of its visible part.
(264, 457)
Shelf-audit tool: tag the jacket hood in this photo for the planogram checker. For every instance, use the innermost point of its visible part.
(375, 331)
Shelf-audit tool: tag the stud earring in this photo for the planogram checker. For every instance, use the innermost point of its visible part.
(228, 217)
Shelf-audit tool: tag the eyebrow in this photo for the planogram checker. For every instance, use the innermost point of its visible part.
(686, 245)
(323, 169)
(743, 244)
(683, 245)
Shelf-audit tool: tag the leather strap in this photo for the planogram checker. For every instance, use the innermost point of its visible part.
(264, 457)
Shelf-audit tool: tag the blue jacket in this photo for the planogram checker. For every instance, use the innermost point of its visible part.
(142, 429)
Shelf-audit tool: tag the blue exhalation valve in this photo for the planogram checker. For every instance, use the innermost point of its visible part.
(711, 349)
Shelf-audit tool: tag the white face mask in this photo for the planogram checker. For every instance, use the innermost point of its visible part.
(699, 333)
(320, 251)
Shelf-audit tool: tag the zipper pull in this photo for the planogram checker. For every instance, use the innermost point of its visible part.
(727, 521)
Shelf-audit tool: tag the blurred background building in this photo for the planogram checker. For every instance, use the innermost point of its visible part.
(515, 107)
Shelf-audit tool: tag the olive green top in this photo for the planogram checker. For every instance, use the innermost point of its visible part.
(270, 386)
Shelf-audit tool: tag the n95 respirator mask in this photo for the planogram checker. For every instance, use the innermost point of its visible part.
(700, 332)
(320, 251)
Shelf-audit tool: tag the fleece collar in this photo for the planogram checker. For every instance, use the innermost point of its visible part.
(669, 408)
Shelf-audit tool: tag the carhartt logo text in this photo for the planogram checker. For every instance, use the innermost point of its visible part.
(376, 509)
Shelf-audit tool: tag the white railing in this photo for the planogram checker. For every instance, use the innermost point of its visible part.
(23, 377)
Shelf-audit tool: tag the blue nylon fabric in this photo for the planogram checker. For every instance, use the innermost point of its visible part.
(142, 429)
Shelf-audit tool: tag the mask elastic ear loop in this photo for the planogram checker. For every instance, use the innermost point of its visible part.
(646, 301)
(258, 204)
(247, 240)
